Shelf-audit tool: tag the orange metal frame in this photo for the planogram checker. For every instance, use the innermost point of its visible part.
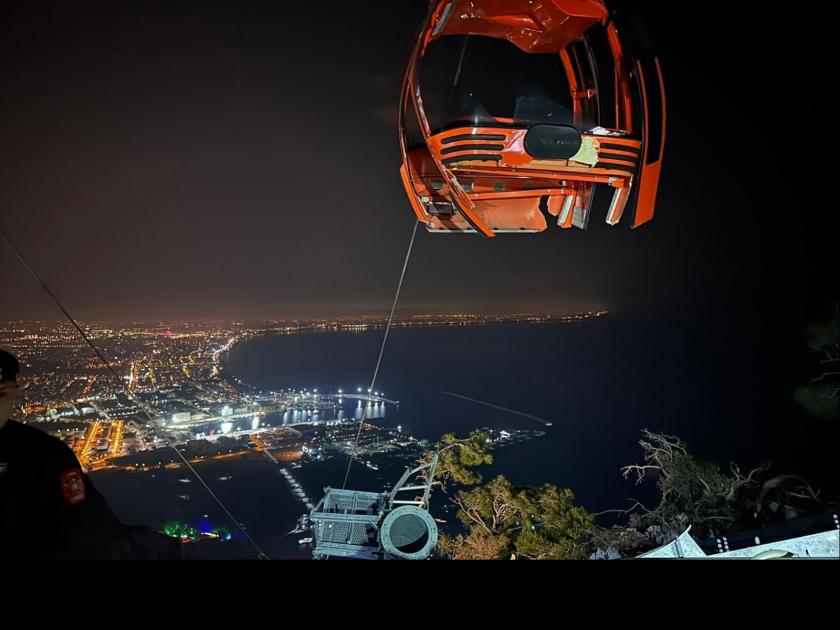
(481, 179)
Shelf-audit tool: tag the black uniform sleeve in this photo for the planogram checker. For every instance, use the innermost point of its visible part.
(76, 522)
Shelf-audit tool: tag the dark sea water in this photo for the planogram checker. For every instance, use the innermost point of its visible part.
(599, 382)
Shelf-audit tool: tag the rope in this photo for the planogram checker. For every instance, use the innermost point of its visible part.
(381, 352)
(119, 381)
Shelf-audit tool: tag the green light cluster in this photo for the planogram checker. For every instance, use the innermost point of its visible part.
(185, 532)
(181, 531)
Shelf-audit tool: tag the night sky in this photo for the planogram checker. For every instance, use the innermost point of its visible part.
(164, 160)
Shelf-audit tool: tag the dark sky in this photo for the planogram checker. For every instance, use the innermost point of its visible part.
(240, 159)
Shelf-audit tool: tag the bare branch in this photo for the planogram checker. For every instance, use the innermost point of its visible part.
(705, 485)
(627, 511)
(779, 481)
(471, 513)
(639, 470)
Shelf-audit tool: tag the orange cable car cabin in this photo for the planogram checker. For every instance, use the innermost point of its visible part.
(515, 113)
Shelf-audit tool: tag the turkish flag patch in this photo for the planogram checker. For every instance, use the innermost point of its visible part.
(73, 486)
